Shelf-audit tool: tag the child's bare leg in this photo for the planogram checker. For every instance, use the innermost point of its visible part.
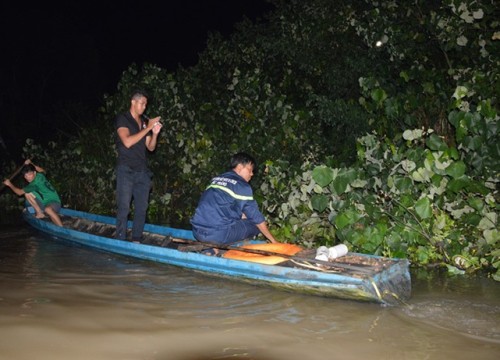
(53, 216)
(32, 200)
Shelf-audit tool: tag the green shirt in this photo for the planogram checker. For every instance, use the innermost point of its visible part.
(43, 190)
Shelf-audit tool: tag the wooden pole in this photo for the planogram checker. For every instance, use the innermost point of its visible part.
(12, 176)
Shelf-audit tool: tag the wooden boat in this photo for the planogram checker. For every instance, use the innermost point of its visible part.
(353, 276)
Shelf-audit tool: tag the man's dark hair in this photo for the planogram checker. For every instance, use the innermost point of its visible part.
(27, 168)
(243, 159)
(138, 93)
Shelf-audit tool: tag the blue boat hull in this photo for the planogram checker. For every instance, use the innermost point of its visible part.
(388, 286)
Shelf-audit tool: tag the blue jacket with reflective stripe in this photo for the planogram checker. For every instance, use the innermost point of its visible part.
(225, 200)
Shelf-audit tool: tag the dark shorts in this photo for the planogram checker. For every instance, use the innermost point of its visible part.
(54, 205)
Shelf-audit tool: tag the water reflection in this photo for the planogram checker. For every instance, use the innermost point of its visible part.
(462, 305)
(477, 320)
(70, 302)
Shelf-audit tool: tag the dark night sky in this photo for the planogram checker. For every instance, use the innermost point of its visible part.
(57, 52)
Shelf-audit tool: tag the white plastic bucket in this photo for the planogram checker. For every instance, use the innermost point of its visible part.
(337, 251)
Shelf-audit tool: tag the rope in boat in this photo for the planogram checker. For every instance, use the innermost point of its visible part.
(314, 267)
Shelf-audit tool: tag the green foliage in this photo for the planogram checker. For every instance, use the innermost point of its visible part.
(431, 49)
(400, 200)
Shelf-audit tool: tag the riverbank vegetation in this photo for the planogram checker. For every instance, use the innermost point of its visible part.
(375, 124)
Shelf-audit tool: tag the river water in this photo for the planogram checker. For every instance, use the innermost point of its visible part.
(63, 301)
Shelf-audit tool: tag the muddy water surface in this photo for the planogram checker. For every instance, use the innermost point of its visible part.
(60, 301)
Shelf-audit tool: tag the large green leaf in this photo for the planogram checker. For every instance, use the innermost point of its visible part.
(458, 184)
(346, 218)
(350, 174)
(456, 169)
(343, 179)
(472, 219)
(423, 208)
(453, 153)
(342, 220)
(373, 239)
(379, 95)
(322, 175)
(492, 236)
(489, 221)
(403, 183)
(476, 203)
(455, 117)
(434, 142)
(319, 202)
(406, 200)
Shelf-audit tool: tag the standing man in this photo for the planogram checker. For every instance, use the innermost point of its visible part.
(135, 134)
(227, 211)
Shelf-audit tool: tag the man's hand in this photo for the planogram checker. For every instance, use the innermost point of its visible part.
(157, 127)
(154, 124)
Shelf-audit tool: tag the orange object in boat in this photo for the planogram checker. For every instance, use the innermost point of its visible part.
(271, 259)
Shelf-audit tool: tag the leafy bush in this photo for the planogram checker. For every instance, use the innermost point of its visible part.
(412, 197)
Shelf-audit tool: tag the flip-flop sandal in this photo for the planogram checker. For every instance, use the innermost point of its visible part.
(208, 252)
(211, 252)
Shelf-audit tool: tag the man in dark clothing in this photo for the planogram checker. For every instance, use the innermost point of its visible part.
(133, 178)
(227, 211)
